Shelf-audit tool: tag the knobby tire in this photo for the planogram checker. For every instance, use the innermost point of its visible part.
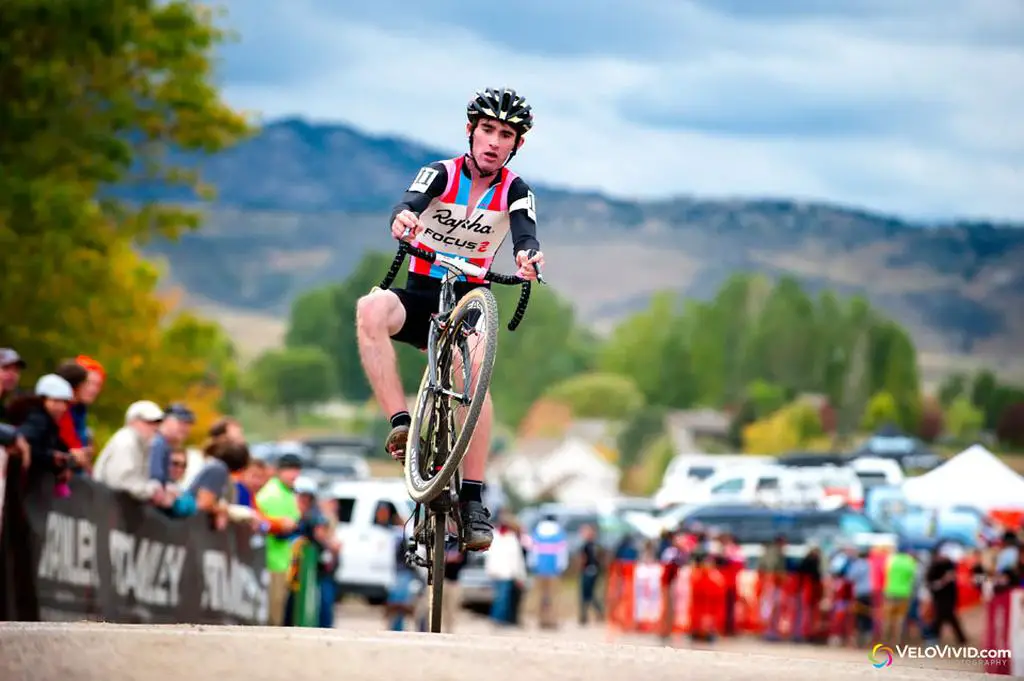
(434, 596)
(425, 490)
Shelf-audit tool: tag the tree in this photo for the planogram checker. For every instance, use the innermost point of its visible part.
(598, 395)
(881, 410)
(1010, 429)
(211, 349)
(96, 95)
(642, 428)
(766, 398)
(293, 378)
(932, 420)
(953, 386)
(776, 434)
(652, 348)
(964, 421)
(547, 348)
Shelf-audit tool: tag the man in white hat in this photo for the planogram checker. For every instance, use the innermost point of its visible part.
(124, 465)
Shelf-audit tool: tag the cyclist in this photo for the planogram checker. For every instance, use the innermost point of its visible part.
(464, 207)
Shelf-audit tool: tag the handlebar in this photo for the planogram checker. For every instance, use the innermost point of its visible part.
(404, 247)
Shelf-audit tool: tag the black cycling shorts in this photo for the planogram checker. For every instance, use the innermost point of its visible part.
(420, 298)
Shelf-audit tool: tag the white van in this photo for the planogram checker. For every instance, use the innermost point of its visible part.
(367, 566)
(875, 471)
(686, 472)
(766, 484)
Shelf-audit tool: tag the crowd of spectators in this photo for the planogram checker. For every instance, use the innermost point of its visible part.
(47, 430)
(849, 596)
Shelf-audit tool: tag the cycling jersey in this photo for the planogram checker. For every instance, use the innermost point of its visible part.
(439, 195)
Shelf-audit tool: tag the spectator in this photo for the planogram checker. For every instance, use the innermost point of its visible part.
(11, 366)
(858, 572)
(314, 527)
(213, 487)
(591, 568)
(15, 445)
(77, 441)
(173, 432)
(276, 501)
(454, 561)
(184, 504)
(549, 559)
(900, 576)
(124, 462)
(505, 565)
(37, 418)
(227, 429)
(941, 579)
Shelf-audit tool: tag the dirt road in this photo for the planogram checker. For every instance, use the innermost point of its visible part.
(108, 652)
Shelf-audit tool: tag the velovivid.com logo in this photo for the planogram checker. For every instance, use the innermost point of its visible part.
(882, 656)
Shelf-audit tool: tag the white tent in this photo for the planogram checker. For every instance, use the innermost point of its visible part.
(974, 477)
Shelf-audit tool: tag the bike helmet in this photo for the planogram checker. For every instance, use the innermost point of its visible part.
(501, 104)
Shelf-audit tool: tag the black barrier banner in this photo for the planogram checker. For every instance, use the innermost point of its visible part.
(101, 555)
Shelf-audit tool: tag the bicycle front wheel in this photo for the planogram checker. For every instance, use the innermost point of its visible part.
(442, 426)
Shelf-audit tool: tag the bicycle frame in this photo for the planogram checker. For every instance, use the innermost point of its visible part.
(454, 268)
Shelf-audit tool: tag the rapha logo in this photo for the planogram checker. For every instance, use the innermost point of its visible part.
(444, 217)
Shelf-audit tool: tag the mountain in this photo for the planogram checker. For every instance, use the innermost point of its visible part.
(298, 205)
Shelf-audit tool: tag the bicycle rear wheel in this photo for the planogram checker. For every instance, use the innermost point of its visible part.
(429, 464)
(435, 595)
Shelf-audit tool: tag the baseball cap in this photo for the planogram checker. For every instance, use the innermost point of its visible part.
(144, 410)
(9, 356)
(305, 485)
(53, 387)
(180, 412)
(289, 461)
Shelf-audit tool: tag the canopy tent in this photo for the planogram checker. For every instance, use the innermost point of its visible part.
(974, 477)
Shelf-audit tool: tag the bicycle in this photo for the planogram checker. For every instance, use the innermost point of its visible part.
(433, 455)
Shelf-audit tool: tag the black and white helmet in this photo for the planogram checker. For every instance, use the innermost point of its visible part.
(501, 104)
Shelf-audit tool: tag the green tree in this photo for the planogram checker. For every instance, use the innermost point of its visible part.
(881, 409)
(964, 421)
(293, 378)
(643, 427)
(598, 395)
(783, 346)
(766, 398)
(210, 345)
(547, 348)
(953, 386)
(326, 318)
(652, 348)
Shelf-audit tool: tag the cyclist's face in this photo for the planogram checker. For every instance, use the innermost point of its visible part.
(492, 143)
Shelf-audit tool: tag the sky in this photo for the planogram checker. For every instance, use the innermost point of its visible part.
(909, 107)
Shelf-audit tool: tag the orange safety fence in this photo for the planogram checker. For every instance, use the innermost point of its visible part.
(636, 600)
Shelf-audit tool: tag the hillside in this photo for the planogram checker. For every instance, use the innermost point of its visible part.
(299, 204)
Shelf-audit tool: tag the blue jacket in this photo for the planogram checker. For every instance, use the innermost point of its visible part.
(549, 555)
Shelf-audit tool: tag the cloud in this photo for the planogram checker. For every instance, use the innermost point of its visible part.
(911, 107)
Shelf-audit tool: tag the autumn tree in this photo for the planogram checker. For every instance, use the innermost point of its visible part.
(1010, 428)
(97, 98)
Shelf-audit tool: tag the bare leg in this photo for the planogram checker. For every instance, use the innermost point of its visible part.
(475, 464)
(479, 530)
(379, 315)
